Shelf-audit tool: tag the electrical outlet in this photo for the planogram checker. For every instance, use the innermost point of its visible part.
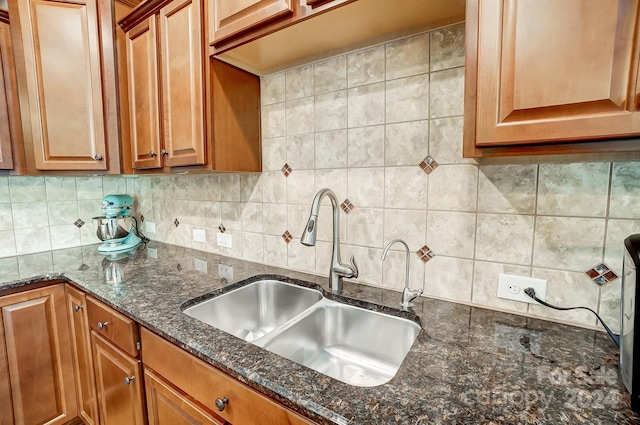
(225, 271)
(199, 236)
(225, 240)
(512, 287)
(150, 226)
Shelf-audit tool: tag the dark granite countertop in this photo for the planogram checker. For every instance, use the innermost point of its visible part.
(468, 366)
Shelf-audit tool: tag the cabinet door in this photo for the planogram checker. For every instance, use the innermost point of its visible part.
(6, 92)
(181, 55)
(118, 384)
(35, 356)
(551, 70)
(83, 360)
(167, 406)
(62, 111)
(143, 94)
(232, 17)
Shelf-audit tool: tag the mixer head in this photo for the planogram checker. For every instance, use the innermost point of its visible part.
(117, 206)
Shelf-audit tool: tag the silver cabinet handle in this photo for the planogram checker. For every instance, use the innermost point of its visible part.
(164, 152)
(128, 379)
(221, 403)
(102, 325)
(77, 308)
(97, 157)
(152, 154)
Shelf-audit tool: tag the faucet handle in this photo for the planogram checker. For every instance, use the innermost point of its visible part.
(354, 265)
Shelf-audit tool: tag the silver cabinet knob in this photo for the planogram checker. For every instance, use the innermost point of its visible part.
(102, 325)
(221, 403)
(128, 379)
(77, 308)
(152, 154)
(164, 152)
(97, 157)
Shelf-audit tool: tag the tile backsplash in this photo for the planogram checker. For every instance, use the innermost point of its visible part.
(382, 127)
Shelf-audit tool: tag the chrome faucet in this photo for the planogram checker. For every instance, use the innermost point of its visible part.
(338, 270)
(407, 294)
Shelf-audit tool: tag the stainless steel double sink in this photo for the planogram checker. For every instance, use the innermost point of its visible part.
(354, 345)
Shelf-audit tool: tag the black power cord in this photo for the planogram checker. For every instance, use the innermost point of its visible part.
(138, 232)
(532, 294)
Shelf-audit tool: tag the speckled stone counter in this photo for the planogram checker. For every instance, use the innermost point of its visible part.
(468, 365)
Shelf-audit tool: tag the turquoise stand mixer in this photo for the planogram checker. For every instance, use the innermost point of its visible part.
(115, 225)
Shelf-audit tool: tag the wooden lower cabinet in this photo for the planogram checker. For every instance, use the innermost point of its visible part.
(206, 385)
(168, 406)
(82, 358)
(36, 369)
(118, 384)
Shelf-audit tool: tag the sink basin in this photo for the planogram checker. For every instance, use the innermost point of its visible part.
(256, 309)
(356, 346)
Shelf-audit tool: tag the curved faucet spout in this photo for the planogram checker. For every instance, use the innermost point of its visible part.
(408, 295)
(338, 269)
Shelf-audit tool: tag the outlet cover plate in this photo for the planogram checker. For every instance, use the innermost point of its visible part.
(511, 287)
(199, 236)
(150, 226)
(225, 240)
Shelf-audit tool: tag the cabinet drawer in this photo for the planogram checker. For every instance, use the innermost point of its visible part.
(113, 326)
(205, 384)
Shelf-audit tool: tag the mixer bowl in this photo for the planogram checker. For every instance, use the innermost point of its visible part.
(114, 229)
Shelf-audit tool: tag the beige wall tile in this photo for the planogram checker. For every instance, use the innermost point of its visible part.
(297, 216)
(408, 225)
(507, 188)
(5, 196)
(445, 140)
(251, 217)
(365, 105)
(330, 74)
(365, 66)
(369, 263)
(110, 186)
(212, 214)
(299, 116)
(405, 187)
(449, 278)
(34, 239)
(407, 99)
(63, 188)
(334, 179)
(453, 188)
(504, 238)
(365, 187)
(451, 233)
(572, 244)
(8, 245)
(579, 189)
(331, 149)
(250, 187)
(275, 250)
(65, 236)
(331, 111)
(301, 187)
(27, 189)
(365, 146)
(60, 213)
(300, 152)
(365, 227)
(446, 93)
(230, 187)
(301, 257)
(6, 217)
(617, 232)
(406, 143)
(252, 246)
(30, 214)
(299, 82)
(485, 285)
(273, 120)
(625, 190)
(274, 184)
(274, 219)
(272, 88)
(447, 47)
(567, 289)
(89, 188)
(407, 56)
(274, 153)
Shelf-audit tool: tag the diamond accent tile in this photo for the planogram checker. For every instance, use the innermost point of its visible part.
(222, 228)
(79, 223)
(428, 164)
(601, 274)
(347, 206)
(141, 218)
(287, 236)
(176, 222)
(286, 170)
(83, 267)
(425, 253)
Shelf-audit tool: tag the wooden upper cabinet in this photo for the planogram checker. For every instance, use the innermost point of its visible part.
(143, 94)
(550, 72)
(36, 369)
(63, 117)
(231, 17)
(10, 129)
(182, 82)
